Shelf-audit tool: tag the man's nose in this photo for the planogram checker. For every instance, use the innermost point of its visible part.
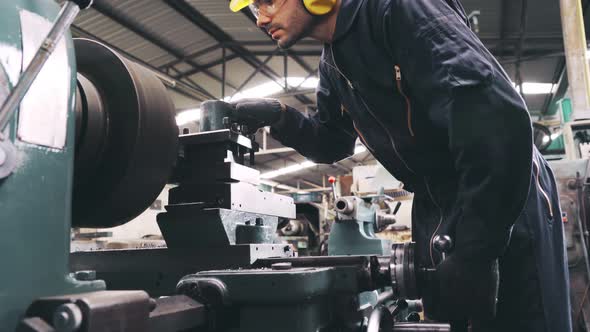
(262, 20)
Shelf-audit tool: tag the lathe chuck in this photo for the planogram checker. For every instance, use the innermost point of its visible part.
(126, 137)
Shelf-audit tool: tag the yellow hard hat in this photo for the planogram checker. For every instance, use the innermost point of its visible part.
(237, 5)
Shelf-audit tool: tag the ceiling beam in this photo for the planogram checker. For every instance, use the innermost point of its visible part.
(557, 77)
(256, 71)
(505, 13)
(561, 73)
(530, 56)
(294, 93)
(521, 40)
(109, 11)
(201, 21)
(311, 184)
(180, 87)
(192, 56)
(208, 65)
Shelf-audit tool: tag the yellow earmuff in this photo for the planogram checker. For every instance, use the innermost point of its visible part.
(319, 7)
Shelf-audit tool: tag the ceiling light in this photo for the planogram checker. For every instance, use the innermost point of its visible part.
(270, 88)
(187, 116)
(259, 91)
(309, 83)
(537, 88)
(287, 170)
(531, 88)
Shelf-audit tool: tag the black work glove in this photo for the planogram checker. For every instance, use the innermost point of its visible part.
(462, 289)
(258, 112)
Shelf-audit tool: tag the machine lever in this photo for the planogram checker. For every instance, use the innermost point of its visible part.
(332, 181)
(443, 244)
(398, 306)
(62, 23)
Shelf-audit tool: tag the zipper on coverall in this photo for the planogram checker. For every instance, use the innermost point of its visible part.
(536, 164)
(398, 80)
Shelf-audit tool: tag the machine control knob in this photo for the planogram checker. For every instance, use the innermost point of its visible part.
(67, 317)
(83, 4)
(345, 205)
(443, 244)
(413, 317)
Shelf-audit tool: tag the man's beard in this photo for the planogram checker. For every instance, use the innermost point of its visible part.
(288, 43)
(307, 22)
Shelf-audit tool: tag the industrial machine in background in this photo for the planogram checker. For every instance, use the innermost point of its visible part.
(96, 152)
(572, 177)
(369, 220)
(565, 143)
(304, 233)
(353, 231)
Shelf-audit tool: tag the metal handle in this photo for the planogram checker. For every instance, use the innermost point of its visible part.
(421, 327)
(443, 244)
(379, 316)
(62, 23)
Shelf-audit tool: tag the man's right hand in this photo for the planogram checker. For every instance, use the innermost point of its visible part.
(258, 112)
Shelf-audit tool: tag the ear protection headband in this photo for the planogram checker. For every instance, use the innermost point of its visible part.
(319, 7)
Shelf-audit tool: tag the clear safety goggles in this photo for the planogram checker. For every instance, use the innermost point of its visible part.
(268, 8)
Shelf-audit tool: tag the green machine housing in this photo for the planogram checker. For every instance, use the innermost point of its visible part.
(35, 200)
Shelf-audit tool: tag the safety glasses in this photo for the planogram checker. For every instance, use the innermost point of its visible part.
(267, 8)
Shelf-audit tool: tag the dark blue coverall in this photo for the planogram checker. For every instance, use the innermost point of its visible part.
(431, 103)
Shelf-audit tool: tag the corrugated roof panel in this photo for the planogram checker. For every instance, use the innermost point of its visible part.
(213, 56)
(183, 67)
(103, 27)
(209, 84)
(544, 17)
(535, 102)
(157, 18)
(161, 60)
(538, 71)
(237, 71)
(490, 18)
(236, 25)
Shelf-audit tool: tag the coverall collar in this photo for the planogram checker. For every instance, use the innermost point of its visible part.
(346, 15)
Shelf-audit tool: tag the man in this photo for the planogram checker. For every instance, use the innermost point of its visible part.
(416, 85)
